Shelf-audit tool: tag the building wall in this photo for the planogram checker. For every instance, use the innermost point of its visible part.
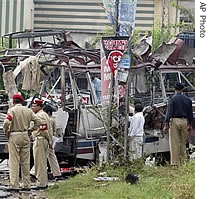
(85, 15)
(13, 15)
(80, 16)
(84, 18)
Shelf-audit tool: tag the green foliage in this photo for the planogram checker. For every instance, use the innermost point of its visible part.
(154, 182)
(5, 43)
(185, 12)
(107, 31)
(183, 26)
(136, 35)
(158, 37)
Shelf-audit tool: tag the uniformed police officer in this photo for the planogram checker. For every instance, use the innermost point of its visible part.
(53, 161)
(42, 141)
(16, 127)
(178, 121)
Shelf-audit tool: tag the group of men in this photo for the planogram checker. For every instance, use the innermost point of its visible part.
(178, 122)
(21, 125)
(17, 127)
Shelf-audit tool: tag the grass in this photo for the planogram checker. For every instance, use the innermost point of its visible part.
(159, 182)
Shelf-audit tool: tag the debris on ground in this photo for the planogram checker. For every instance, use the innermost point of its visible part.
(106, 178)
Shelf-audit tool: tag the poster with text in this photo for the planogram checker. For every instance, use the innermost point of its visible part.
(111, 53)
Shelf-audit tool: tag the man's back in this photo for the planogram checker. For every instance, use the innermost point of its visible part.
(21, 117)
(181, 106)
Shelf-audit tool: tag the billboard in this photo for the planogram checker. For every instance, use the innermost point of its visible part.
(126, 17)
(111, 54)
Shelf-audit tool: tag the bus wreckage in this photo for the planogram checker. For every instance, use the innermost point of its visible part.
(51, 66)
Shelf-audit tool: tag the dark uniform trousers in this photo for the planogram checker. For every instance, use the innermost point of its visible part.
(19, 146)
(177, 140)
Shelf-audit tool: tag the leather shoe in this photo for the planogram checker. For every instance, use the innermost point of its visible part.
(9, 189)
(39, 188)
(59, 178)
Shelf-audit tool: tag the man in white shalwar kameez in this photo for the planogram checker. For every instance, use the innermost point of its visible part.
(136, 133)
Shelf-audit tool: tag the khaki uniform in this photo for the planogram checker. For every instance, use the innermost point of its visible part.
(42, 138)
(54, 165)
(16, 126)
(177, 140)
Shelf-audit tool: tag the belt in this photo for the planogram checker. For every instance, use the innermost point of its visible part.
(18, 132)
(39, 138)
(182, 117)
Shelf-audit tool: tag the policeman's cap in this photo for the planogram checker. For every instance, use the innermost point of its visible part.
(18, 96)
(39, 102)
(179, 86)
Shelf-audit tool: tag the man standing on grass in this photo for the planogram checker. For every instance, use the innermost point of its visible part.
(136, 133)
(178, 121)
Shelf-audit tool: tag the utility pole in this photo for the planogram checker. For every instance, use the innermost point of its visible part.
(112, 83)
(116, 17)
(127, 98)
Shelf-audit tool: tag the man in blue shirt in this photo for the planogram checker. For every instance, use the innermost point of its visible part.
(97, 86)
(178, 121)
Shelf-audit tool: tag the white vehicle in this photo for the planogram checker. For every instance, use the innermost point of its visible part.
(50, 77)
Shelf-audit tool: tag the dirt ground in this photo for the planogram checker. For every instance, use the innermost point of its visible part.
(33, 194)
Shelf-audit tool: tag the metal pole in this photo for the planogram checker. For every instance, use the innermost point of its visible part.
(109, 117)
(116, 16)
(112, 83)
(127, 104)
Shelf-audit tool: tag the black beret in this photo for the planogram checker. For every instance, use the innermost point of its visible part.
(179, 86)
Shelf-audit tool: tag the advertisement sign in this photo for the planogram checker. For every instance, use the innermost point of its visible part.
(125, 61)
(127, 14)
(122, 76)
(111, 53)
(126, 17)
(109, 6)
